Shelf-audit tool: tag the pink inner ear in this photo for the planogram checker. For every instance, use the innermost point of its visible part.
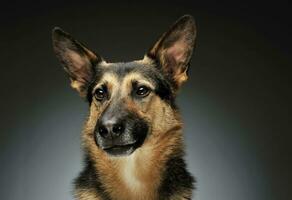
(79, 66)
(77, 61)
(177, 52)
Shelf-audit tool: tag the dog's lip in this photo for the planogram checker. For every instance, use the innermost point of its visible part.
(116, 146)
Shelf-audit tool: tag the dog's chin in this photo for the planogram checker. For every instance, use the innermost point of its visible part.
(121, 150)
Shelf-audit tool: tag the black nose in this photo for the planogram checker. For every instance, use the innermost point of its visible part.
(111, 128)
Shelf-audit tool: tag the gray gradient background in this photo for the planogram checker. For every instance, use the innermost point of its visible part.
(236, 105)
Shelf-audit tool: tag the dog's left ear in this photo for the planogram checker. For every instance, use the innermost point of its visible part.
(78, 61)
(174, 49)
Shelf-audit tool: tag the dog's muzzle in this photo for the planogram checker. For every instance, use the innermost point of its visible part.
(120, 134)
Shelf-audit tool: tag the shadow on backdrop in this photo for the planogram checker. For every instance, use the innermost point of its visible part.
(236, 105)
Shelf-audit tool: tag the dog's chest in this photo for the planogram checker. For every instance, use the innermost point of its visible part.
(135, 179)
(130, 175)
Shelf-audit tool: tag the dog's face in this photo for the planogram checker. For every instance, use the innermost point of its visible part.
(129, 101)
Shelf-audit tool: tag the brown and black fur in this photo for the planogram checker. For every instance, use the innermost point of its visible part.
(132, 139)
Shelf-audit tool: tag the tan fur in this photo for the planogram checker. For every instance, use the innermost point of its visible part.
(86, 194)
(180, 76)
(135, 177)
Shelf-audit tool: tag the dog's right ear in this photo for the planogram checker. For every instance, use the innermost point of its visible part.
(78, 61)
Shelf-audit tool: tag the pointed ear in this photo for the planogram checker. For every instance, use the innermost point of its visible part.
(174, 49)
(77, 60)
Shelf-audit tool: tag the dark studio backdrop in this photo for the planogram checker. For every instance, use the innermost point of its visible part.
(236, 105)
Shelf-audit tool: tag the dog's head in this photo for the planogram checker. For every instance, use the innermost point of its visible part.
(129, 101)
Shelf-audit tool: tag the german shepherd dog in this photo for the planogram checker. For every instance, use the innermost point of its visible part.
(132, 138)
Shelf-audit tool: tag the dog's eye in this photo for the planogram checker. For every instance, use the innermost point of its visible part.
(142, 91)
(100, 94)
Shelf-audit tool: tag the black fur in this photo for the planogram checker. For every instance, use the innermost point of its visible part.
(175, 178)
(89, 179)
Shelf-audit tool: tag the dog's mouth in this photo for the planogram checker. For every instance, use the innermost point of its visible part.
(121, 149)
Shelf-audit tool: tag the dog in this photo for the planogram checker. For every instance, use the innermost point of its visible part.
(132, 138)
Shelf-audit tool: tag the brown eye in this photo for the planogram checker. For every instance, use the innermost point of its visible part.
(100, 94)
(142, 91)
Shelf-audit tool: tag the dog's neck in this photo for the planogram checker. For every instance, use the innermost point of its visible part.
(139, 175)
